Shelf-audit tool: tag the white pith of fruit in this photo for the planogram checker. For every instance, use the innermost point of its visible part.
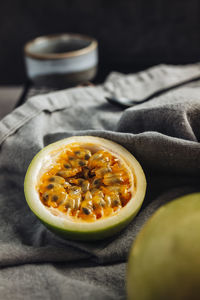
(46, 157)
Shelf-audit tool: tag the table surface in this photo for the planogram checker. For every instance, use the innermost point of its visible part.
(12, 96)
(9, 96)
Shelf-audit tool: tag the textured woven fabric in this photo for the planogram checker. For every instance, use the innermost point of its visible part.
(163, 134)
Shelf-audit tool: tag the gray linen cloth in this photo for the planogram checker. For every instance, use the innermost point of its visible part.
(164, 136)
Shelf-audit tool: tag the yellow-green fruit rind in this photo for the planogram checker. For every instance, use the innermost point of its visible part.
(83, 230)
(90, 235)
(164, 262)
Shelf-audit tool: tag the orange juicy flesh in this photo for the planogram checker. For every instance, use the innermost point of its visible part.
(85, 184)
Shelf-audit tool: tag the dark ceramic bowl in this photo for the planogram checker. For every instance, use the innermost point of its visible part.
(61, 59)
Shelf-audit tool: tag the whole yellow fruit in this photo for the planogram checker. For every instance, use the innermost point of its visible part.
(164, 261)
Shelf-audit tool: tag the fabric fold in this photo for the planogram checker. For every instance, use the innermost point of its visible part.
(163, 134)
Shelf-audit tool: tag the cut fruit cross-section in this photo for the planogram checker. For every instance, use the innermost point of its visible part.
(85, 187)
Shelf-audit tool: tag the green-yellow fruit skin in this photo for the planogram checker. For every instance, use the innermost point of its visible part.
(164, 262)
(90, 236)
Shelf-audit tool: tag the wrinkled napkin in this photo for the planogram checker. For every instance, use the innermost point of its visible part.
(163, 134)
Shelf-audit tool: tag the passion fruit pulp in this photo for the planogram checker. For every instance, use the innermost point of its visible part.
(85, 187)
(164, 262)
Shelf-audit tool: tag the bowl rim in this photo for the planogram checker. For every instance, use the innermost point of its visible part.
(46, 56)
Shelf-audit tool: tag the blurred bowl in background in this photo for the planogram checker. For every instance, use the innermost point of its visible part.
(61, 60)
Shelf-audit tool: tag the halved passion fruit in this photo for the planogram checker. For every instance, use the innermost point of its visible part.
(85, 187)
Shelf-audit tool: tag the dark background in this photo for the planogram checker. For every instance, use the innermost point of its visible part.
(132, 34)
